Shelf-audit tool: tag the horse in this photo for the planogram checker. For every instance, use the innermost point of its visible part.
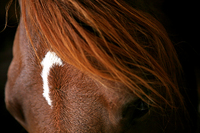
(93, 66)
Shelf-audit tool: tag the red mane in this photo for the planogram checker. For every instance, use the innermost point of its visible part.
(109, 41)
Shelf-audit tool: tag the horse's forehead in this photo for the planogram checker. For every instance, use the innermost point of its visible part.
(82, 85)
(66, 74)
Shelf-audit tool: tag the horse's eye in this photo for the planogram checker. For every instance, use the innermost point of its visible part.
(134, 111)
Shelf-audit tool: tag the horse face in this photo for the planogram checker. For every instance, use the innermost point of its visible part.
(53, 96)
(50, 95)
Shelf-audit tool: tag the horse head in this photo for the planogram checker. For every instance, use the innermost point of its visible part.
(90, 66)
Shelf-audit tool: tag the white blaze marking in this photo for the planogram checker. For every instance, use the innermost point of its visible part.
(47, 63)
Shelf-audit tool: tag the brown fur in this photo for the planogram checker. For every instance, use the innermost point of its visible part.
(113, 54)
